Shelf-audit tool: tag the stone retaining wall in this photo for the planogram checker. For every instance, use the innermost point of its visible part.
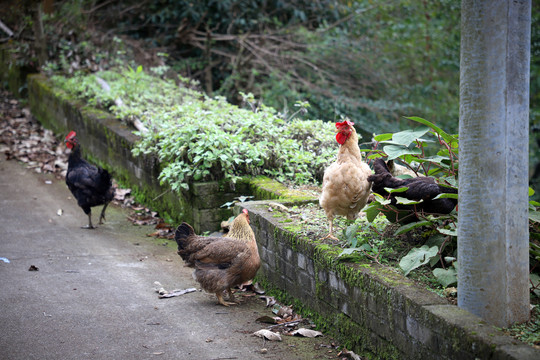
(369, 307)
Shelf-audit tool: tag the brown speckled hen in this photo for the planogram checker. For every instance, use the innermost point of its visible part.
(220, 262)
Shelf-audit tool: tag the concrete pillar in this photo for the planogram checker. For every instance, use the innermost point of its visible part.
(493, 237)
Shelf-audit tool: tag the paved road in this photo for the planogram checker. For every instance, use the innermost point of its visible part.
(93, 296)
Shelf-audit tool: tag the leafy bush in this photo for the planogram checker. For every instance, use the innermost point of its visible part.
(198, 138)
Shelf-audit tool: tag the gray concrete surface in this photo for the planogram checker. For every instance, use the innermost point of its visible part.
(93, 296)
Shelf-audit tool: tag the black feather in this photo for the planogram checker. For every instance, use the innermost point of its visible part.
(89, 184)
(422, 188)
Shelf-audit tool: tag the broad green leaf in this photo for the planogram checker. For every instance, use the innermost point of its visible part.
(374, 156)
(383, 137)
(436, 240)
(451, 232)
(531, 191)
(398, 190)
(407, 137)
(437, 159)
(409, 227)
(372, 210)
(451, 180)
(535, 281)
(395, 151)
(416, 258)
(447, 137)
(534, 216)
(381, 200)
(446, 277)
(350, 234)
(405, 201)
(446, 196)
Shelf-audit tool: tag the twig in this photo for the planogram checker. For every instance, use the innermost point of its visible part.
(98, 6)
(347, 18)
(6, 29)
(160, 195)
(176, 293)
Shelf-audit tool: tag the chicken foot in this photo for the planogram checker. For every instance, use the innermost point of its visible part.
(330, 232)
(89, 226)
(102, 216)
(222, 301)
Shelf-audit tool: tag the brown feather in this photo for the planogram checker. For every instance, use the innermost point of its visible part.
(220, 262)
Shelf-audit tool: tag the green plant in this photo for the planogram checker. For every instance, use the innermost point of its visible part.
(412, 148)
(365, 239)
(198, 138)
(528, 332)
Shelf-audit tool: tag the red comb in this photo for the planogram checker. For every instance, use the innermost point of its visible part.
(71, 135)
(245, 211)
(344, 123)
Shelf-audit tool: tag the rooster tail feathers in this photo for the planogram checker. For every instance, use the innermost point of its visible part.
(183, 232)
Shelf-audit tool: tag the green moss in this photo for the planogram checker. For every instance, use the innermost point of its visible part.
(264, 188)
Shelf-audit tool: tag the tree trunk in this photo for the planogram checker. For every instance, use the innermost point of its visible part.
(41, 41)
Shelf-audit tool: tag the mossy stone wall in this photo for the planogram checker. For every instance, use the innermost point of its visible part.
(372, 309)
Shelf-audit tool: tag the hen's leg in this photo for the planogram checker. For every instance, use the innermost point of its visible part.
(331, 230)
(231, 296)
(221, 301)
(102, 216)
(89, 226)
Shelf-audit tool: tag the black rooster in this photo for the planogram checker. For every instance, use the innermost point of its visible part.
(90, 185)
(422, 188)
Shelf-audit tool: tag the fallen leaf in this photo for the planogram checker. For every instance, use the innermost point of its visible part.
(285, 311)
(306, 333)
(120, 194)
(278, 206)
(349, 354)
(270, 300)
(267, 334)
(451, 291)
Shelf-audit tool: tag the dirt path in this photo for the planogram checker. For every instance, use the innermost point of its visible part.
(93, 296)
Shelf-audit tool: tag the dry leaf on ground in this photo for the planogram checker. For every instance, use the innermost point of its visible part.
(267, 334)
(306, 333)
